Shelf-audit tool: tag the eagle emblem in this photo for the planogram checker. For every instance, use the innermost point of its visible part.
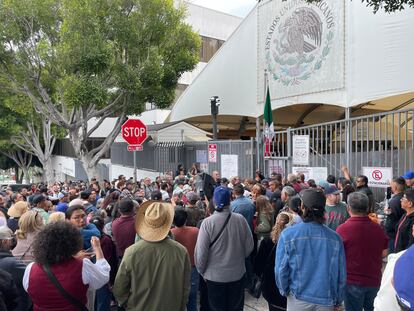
(299, 46)
(301, 33)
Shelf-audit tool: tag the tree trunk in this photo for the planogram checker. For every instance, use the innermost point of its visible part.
(25, 177)
(17, 175)
(48, 175)
(90, 158)
(91, 168)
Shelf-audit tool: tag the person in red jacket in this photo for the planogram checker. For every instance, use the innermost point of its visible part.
(365, 245)
(58, 248)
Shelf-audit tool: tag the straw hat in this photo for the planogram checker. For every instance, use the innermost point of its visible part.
(18, 209)
(154, 220)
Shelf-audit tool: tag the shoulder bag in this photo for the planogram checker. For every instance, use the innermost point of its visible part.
(62, 291)
(221, 230)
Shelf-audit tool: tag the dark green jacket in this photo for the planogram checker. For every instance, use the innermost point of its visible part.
(154, 277)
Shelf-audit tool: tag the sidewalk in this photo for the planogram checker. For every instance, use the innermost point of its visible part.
(253, 304)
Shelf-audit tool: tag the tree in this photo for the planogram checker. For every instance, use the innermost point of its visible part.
(79, 60)
(24, 134)
(388, 5)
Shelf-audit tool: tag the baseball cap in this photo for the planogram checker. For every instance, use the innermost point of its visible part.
(323, 184)
(221, 197)
(38, 198)
(5, 233)
(313, 199)
(331, 190)
(264, 182)
(403, 276)
(408, 175)
(130, 182)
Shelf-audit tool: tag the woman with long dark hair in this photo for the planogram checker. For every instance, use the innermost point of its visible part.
(59, 279)
(265, 263)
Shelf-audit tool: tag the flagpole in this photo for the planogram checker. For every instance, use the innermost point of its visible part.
(266, 85)
(260, 138)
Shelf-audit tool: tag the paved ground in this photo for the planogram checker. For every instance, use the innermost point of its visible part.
(253, 304)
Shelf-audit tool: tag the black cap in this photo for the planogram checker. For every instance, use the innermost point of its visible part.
(38, 198)
(313, 199)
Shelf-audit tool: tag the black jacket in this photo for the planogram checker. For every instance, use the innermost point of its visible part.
(9, 295)
(394, 217)
(264, 265)
(404, 238)
(16, 269)
(370, 195)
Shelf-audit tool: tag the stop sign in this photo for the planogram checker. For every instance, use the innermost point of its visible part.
(134, 132)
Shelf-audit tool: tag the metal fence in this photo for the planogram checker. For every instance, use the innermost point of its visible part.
(379, 140)
(165, 157)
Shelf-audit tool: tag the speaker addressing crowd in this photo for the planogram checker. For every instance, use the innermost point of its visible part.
(195, 241)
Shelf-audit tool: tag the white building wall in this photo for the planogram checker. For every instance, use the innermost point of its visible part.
(64, 167)
(211, 23)
(181, 132)
(116, 170)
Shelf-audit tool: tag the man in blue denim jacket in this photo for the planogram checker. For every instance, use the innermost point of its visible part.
(310, 264)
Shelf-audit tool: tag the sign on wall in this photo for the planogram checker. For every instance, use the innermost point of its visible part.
(301, 47)
(229, 165)
(212, 153)
(378, 177)
(300, 149)
(201, 156)
(315, 173)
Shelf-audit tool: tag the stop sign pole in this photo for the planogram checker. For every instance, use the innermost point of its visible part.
(134, 132)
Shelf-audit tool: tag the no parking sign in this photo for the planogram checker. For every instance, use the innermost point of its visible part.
(378, 177)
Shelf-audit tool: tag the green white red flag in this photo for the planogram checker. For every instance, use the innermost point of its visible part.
(269, 130)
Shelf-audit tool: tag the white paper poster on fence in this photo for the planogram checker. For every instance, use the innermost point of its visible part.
(276, 166)
(300, 147)
(229, 165)
(315, 173)
(378, 177)
(201, 156)
(300, 46)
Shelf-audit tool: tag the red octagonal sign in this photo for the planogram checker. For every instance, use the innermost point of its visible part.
(134, 132)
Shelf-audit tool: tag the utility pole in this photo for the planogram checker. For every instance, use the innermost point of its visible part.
(215, 104)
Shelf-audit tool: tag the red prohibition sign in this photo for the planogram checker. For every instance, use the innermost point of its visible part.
(377, 175)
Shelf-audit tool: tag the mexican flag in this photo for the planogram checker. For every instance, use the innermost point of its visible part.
(269, 130)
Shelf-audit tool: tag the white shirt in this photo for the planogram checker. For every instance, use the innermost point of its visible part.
(165, 195)
(95, 275)
(386, 300)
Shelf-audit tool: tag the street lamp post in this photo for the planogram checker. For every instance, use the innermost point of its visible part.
(215, 103)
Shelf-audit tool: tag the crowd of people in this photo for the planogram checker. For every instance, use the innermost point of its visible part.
(194, 241)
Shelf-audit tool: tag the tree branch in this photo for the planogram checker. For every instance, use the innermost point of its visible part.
(98, 152)
(93, 129)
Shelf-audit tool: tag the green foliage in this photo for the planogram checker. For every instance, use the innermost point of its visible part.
(387, 5)
(87, 52)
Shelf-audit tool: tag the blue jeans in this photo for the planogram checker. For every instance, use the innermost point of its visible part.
(358, 298)
(103, 299)
(192, 299)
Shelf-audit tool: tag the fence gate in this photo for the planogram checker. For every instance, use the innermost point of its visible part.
(379, 140)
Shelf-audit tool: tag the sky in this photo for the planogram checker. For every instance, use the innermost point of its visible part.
(236, 7)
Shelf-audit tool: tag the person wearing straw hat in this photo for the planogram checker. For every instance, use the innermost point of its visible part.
(15, 212)
(155, 272)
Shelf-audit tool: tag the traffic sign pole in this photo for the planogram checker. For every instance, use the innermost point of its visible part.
(135, 169)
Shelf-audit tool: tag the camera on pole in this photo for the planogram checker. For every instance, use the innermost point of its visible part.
(215, 104)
